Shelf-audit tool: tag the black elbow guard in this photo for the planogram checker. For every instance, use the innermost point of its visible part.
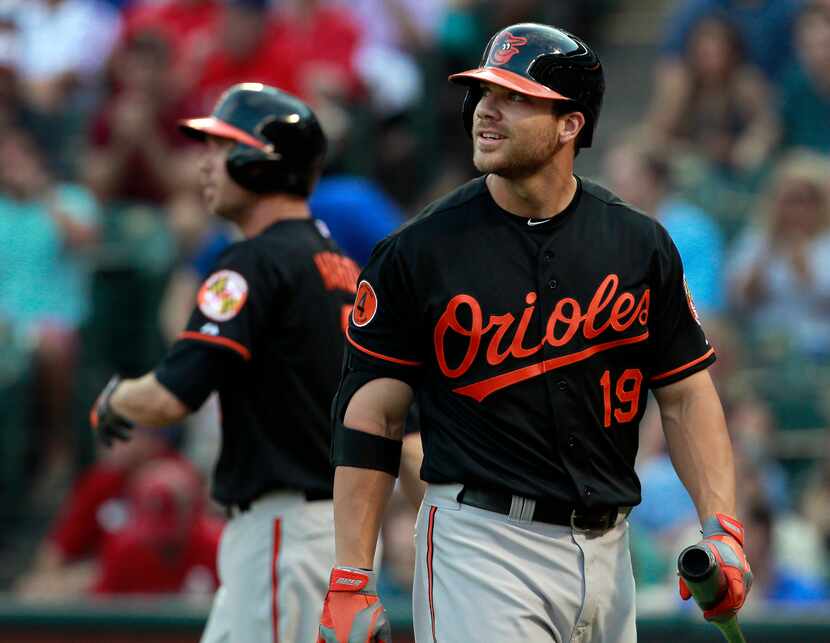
(355, 448)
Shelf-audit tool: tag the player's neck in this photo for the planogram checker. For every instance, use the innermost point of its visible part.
(271, 208)
(540, 196)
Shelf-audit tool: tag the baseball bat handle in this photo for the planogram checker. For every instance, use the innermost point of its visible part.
(731, 631)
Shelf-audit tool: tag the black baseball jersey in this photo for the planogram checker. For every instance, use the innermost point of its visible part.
(267, 334)
(531, 343)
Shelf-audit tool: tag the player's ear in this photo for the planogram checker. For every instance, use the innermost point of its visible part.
(570, 124)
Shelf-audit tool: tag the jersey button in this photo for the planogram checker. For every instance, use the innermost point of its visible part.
(571, 441)
(548, 257)
(563, 385)
(552, 284)
(588, 492)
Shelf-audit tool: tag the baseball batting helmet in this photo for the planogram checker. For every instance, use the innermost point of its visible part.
(280, 146)
(540, 61)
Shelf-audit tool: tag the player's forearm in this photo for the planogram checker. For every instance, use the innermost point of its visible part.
(360, 499)
(146, 402)
(700, 448)
(410, 474)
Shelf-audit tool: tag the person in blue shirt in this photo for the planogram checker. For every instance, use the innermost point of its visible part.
(45, 228)
(643, 177)
(357, 212)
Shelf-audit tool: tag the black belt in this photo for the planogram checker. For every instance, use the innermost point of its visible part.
(244, 505)
(542, 510)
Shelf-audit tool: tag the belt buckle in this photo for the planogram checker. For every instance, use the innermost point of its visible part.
(604, 523)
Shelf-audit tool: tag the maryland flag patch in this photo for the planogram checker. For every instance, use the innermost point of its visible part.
(223, 295)
(692, 307)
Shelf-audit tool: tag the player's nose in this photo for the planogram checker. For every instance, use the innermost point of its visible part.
(487, 108)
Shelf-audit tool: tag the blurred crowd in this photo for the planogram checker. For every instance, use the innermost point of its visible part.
(104, 241)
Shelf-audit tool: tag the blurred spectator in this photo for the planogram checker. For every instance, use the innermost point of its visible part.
(816, 498)
(46, 228)
(13, 107)
(319, 41)
(95, 508)
(306, 48)
(774, 582)
(169, 545)
(134, 136)
(712, 103)
(753, 430)
(188, 27)
(403, 25)
(241, 52)
(644, 177)
(805, 91)
(63, 45)
(779, 272)
(764, 25)
(666, 511)
(357, 212)
(397, 34)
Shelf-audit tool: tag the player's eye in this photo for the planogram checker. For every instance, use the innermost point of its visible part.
(517, 98)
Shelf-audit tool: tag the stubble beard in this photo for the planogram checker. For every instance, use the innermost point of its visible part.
(520, 159)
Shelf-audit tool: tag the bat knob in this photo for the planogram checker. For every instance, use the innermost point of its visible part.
(704, 577)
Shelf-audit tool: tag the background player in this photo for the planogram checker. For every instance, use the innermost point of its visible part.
(530, 311)
(266, 333)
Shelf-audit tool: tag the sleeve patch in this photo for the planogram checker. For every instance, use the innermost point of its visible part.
(365, 304)
(692, 307)
(223, 295)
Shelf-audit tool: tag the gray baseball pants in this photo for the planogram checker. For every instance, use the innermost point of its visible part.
(486, 577)
(274, 564)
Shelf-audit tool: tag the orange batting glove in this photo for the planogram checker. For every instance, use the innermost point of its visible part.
(352, 611)
(724, 536)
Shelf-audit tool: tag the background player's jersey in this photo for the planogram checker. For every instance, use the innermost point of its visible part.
(267, 333)
(531, 344)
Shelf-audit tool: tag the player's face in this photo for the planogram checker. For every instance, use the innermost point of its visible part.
(514, 135)
(223, 196)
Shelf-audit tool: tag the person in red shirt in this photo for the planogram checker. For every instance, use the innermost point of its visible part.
(304, 48)
(242, 53)
(181, 21)
(95, 508)
(170, 544)
(134, 136)
(321, 42)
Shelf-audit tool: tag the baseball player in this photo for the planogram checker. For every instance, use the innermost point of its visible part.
(267, 334)
(530, 311)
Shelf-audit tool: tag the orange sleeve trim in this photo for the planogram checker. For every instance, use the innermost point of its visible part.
(219, 341)
(394, 360)
(679, 369)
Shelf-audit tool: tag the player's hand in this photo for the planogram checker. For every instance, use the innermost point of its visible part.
(724, 536)
(352, 611)
(107, 424)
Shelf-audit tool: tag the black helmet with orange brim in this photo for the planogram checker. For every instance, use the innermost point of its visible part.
(280, 146)
(541, 61)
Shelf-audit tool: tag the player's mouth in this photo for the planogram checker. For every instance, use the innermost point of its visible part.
(488, 139)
